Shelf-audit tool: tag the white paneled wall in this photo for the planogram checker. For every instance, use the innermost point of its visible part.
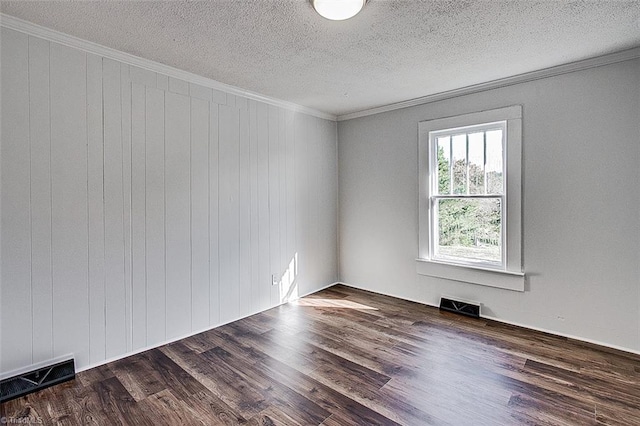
(137, 208)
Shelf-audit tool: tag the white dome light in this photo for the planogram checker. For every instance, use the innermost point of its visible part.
(338, 10)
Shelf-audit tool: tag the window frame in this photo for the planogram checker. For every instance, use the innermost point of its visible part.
(509, 274)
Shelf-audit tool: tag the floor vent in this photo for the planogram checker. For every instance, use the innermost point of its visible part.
(43, 377)
(464, 308)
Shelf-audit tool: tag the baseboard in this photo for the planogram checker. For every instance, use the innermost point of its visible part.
(193, 333)
(434, 305)
(504, 321)
(320, 289)
(559, 334)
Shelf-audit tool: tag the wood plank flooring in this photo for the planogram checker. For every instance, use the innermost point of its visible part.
(344, 357)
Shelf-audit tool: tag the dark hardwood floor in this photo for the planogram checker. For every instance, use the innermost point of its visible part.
(344, 357)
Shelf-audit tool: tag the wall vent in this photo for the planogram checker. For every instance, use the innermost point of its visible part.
(22, 384)
(463, 308)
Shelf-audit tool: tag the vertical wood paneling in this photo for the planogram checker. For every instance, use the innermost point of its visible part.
(314, 250)
(115, 291)
(132, 215)
(264, 281)
(274, 199)
(254, 217)
(214, 257)
(218, 97)
(125, 90)
(313, 161)
(178, 86)
(229, 249)
(290, 283)
(16, 229)
(200, 92)
(302, 196)
(244, 271)
(154, 217)
(69, 202)
(39, 130)
(177, 210)
(319, 207)
(199, 214)
(142, 76)
(242, 102)
(283, 289)
(231, 100)
(95, 181)
(162, 82)
(138, 213)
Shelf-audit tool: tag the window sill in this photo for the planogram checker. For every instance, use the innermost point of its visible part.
(473, 275)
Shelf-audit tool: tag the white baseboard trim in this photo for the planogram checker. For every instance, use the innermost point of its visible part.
(568, 336)
(501, 320)
(193, 333)
(320, 289)
(137, 351)
(422, 302)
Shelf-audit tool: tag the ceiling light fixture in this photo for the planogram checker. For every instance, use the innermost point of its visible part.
(338, 10)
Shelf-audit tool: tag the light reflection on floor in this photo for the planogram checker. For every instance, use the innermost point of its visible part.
(333, 303)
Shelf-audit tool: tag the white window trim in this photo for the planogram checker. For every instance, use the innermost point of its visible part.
(512, 276)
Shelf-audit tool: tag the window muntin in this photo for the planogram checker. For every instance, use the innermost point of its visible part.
(467, 201)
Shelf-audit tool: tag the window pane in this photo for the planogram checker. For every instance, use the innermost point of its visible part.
(494, 162)
(476, 163)
(459, 151)
(469, 230)
(444, 165)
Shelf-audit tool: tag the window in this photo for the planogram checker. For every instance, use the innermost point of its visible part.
(467, 197)
(470, 198)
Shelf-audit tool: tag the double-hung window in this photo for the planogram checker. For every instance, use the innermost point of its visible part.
(470, 198)
(467, 195)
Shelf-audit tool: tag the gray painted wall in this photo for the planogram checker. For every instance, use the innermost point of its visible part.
(581, 149)
(137, 208)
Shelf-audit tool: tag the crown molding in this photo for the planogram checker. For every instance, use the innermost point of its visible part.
(598, 61)
(32, 29)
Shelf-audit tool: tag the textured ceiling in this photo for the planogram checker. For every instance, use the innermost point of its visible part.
(394, 50)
